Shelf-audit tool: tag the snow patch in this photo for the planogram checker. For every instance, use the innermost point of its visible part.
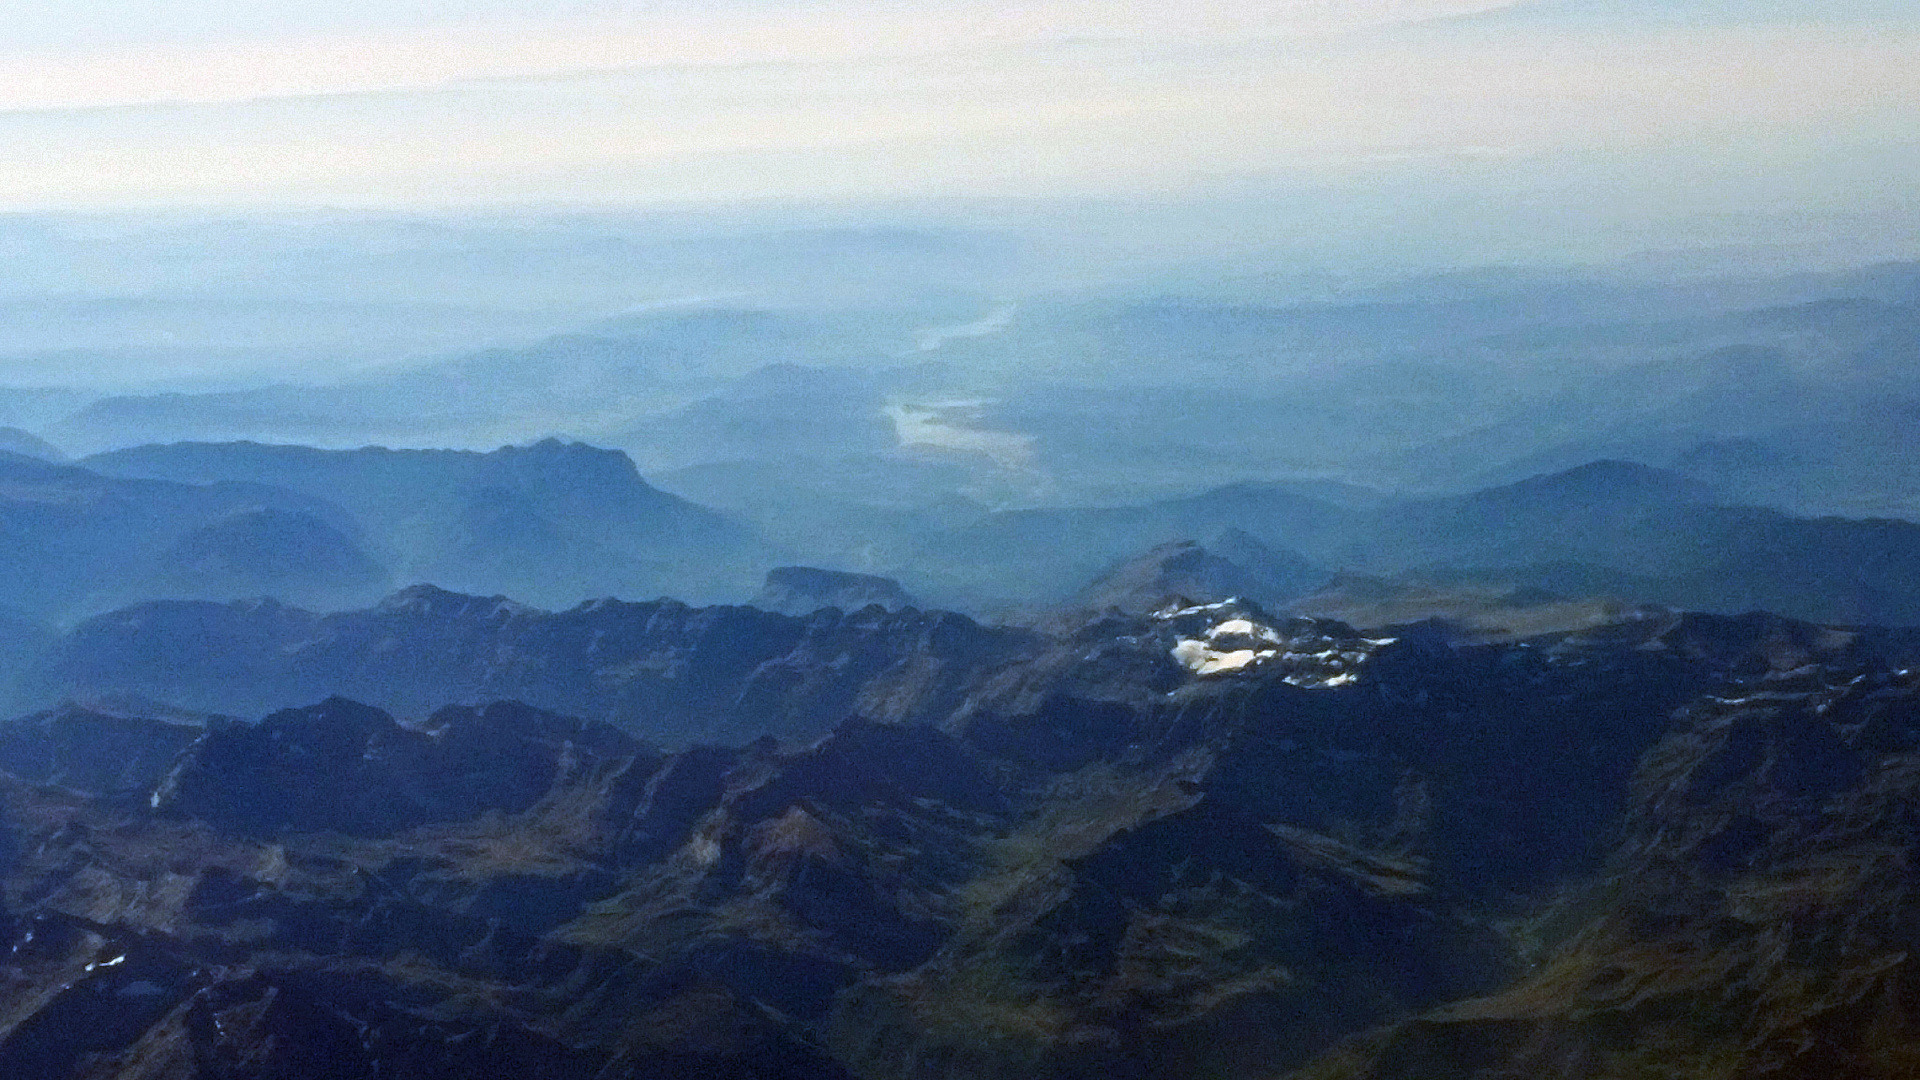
(1246, 628)
(1198, 658)
(1198, 609)
(1305, 655)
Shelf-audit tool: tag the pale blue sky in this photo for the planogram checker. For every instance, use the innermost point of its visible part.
(461, 102)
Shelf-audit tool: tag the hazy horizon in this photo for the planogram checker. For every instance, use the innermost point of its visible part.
(895, 252)
(1505, 129)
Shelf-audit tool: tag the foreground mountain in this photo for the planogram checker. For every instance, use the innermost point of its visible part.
(662, 670)
(93, 752)
(1202, 841)
(1756, 918)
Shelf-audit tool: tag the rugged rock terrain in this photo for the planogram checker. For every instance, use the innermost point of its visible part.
(1200, 841)
(1757, 918)
(664, 671)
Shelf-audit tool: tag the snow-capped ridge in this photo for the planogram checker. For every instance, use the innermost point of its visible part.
(1233, 637)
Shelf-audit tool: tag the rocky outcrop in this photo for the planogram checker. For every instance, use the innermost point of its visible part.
(803, 590)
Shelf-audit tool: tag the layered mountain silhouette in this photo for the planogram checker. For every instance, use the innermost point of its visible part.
(551, 523)
(1607, 528)
(27, 444)
(556, 523)
(75, 541)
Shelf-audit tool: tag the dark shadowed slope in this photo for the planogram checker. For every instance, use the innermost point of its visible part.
(1754, 920)
(1210, 843)
(87, 750)
(663, 670)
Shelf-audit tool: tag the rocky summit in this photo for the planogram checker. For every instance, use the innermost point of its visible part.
(1198, 841)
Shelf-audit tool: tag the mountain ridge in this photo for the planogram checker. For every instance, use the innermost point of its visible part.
(1198, 841)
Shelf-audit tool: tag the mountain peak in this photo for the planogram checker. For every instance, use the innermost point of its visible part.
(1607, 481)
(1185, 570)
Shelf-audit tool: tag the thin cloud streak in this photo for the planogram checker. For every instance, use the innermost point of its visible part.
(875, 106)
(402, 58)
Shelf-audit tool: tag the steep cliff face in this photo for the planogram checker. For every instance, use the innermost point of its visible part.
(1199, 841)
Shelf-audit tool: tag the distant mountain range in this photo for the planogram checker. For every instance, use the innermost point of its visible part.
(26, 444)
(1618, 529)
(788, 417)
(552, 523)
(76, 541)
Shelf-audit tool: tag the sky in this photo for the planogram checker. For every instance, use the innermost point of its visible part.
(1394, 131)
(1198, 146)
(143, 103)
